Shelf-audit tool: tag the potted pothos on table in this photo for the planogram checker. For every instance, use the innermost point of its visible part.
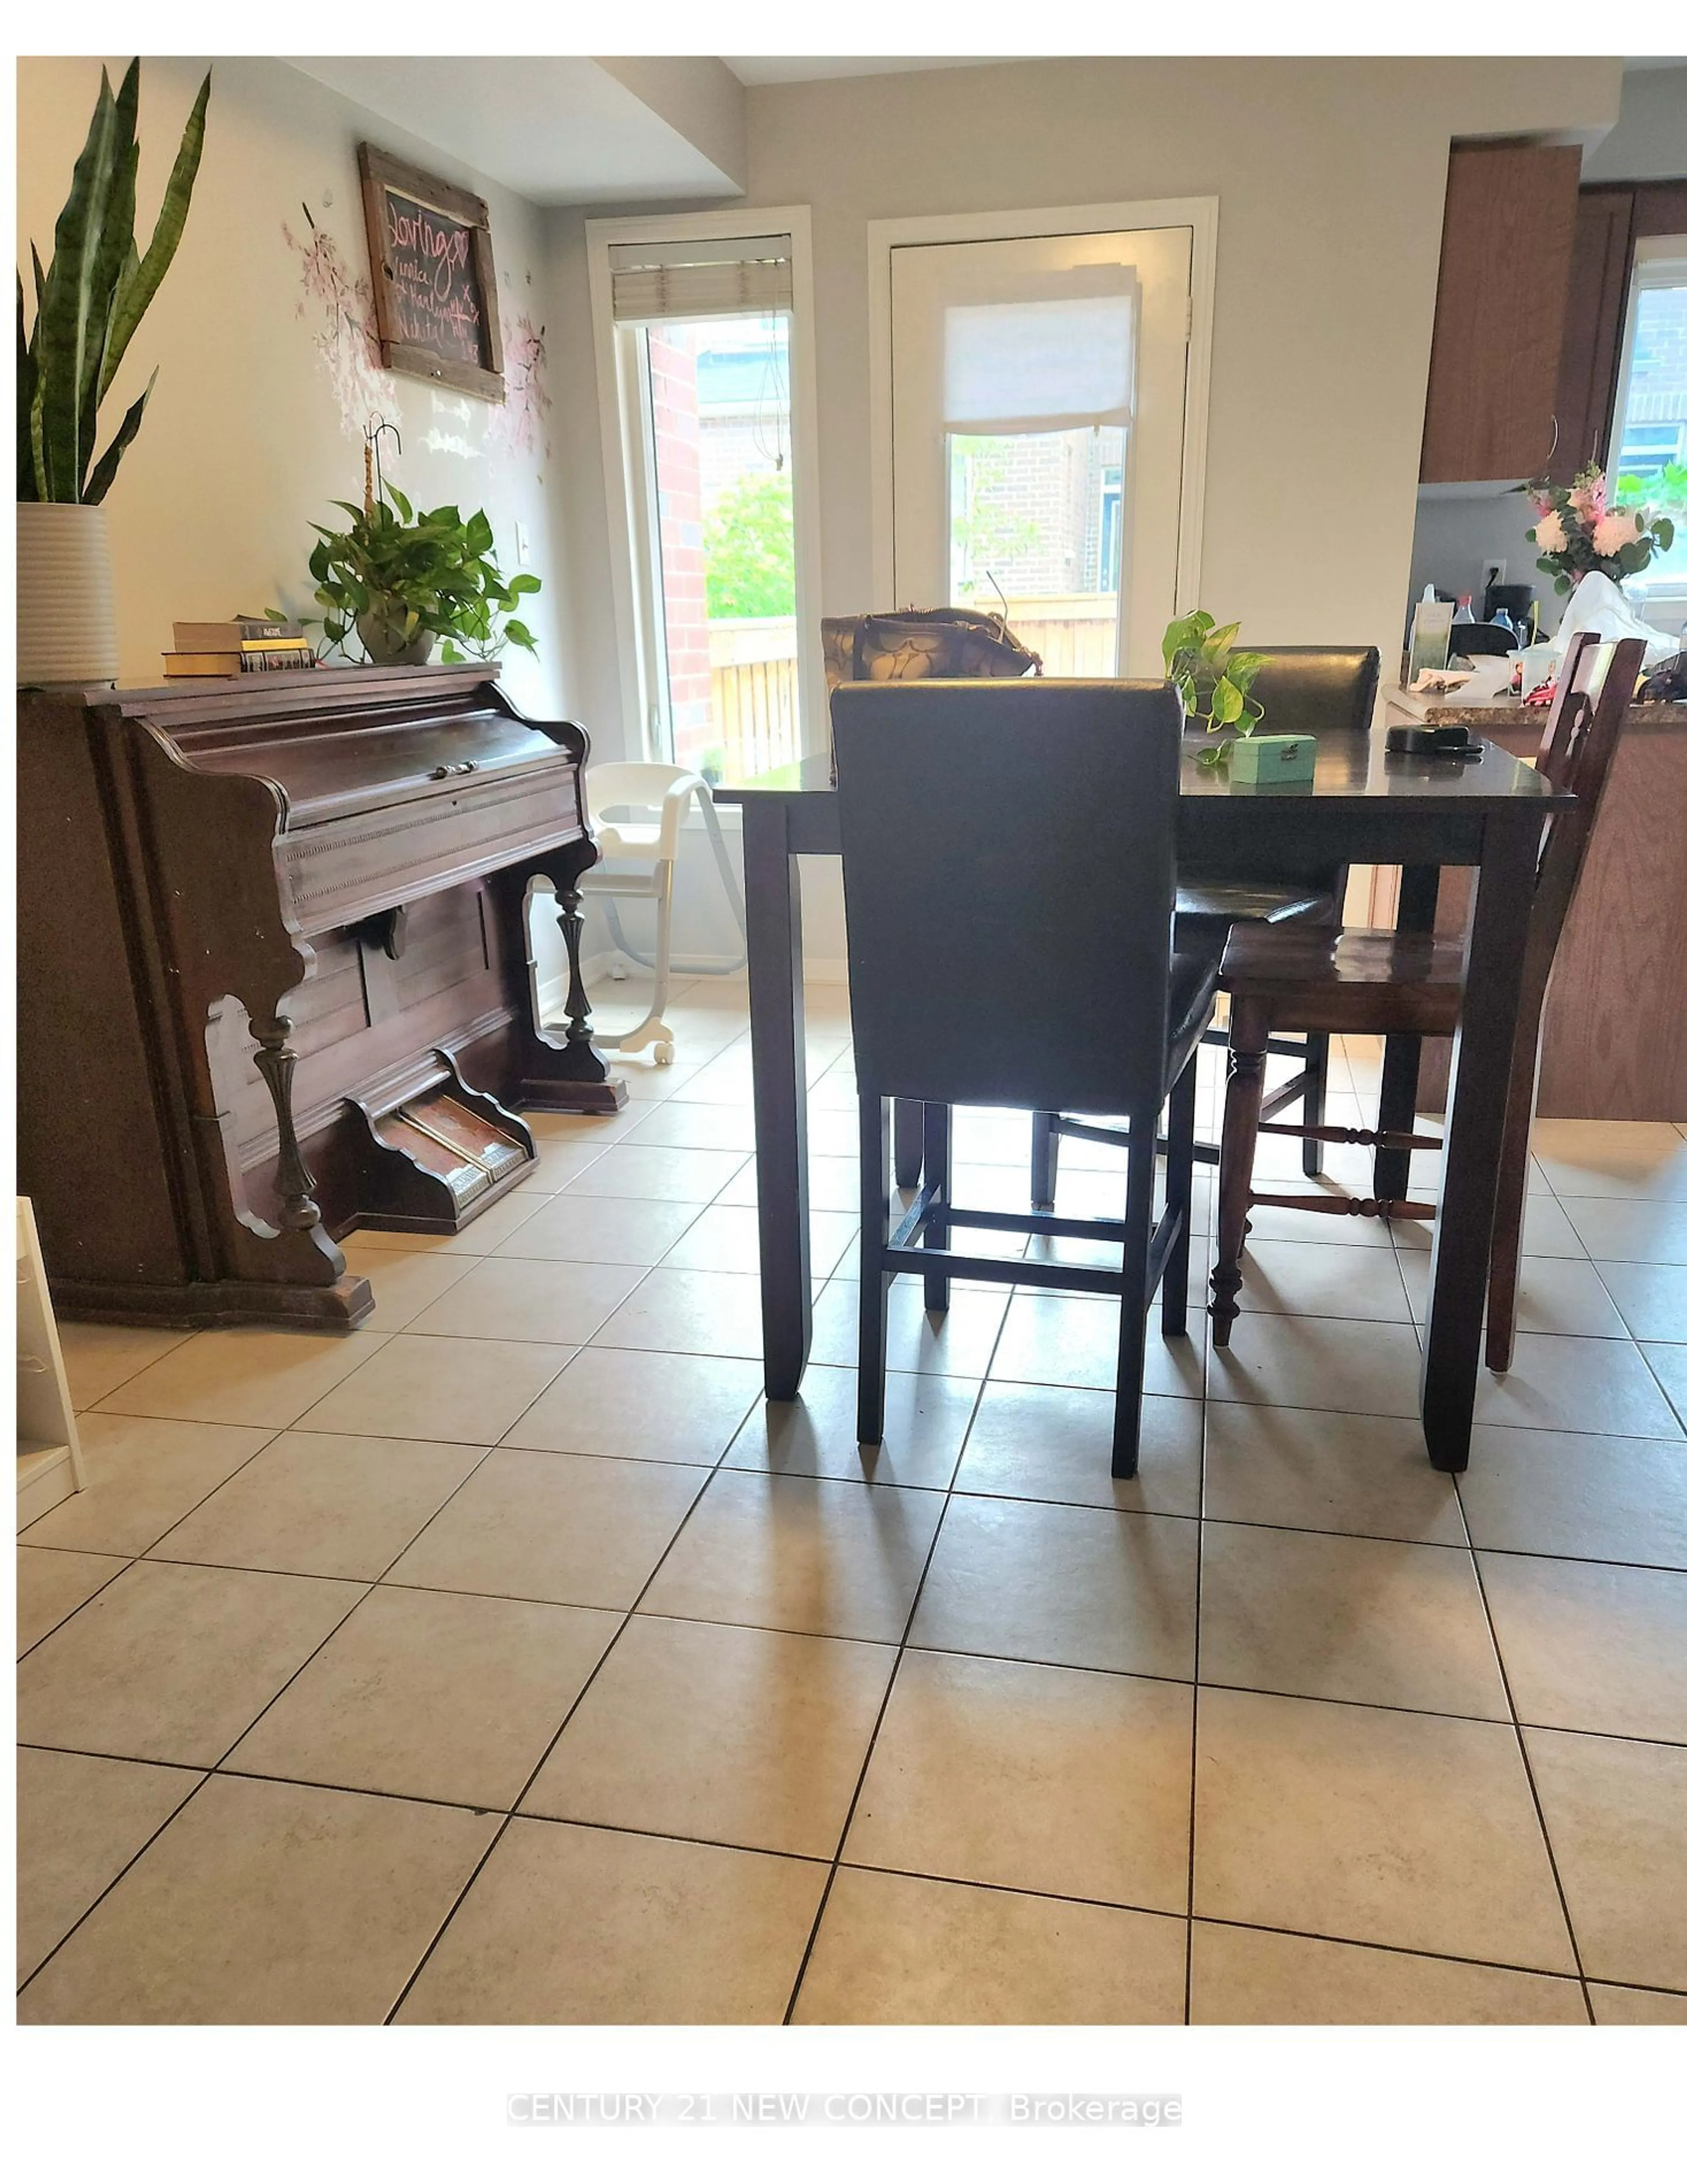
(1213, 679)
(402, 582)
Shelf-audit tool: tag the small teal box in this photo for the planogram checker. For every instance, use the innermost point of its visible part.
(1262, 759)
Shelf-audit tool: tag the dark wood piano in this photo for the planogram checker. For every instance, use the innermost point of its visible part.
(275, 979)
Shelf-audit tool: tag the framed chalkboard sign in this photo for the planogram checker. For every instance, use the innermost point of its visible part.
(435, 292)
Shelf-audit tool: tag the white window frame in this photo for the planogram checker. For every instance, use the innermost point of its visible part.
(1660, 261)
(628, 477)
(1198, 214)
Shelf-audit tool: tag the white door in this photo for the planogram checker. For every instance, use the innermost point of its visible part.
(1037, 436)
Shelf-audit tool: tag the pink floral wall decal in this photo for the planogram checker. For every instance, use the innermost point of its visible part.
(519, 424)
(345, 339)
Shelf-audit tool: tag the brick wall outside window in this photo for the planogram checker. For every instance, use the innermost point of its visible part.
(679, 483)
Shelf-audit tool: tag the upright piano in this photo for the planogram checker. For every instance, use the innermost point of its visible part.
(275, 980)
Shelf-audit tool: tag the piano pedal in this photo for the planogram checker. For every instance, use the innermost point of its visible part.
(441, 1156)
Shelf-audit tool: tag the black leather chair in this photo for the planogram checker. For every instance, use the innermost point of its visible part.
(1306, 690)
(1008, 882)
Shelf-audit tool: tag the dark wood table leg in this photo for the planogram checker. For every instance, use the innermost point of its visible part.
(1397, 1102)
(774, 936)
(1476, 1121)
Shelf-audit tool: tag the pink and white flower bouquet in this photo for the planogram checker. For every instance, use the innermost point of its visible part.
(1579, 529)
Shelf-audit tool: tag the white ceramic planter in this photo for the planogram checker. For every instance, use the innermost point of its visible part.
(67, 629)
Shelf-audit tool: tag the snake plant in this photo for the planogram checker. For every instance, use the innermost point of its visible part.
(91, 298)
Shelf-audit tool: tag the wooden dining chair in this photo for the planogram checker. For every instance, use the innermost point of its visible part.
(1008, 890)
(1306, 690)
(1410, 982)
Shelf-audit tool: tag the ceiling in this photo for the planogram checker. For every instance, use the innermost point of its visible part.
(808, 68)
(558, 130)
(575, 129)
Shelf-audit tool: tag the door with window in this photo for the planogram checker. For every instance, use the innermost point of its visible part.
(1037, 400)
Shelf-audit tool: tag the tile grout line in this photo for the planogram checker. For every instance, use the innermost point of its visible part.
(1194, 1733)
(948, 1493)
(890, 1681)
(210, 1770)
(169, 1820)
(91, 1908)
(1399, 1949)
(144, 1554)
(185, 1334)
(514, 1810)
(128, 1564)
(1528, 1774)
(216, 1765)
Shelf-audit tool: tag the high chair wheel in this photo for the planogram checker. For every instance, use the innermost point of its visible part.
(664, 1051)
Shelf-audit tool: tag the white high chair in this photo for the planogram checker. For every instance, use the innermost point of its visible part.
(657, 796)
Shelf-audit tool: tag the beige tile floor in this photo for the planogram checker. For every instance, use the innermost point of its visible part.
(511, 1660)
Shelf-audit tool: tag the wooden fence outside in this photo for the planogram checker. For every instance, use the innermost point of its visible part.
(1073, 635)
(752, 671)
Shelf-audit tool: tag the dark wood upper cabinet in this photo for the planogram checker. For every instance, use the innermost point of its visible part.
(1506, 254)
(1593, 329)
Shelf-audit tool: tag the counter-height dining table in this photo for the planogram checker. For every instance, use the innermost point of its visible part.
(1365, 805)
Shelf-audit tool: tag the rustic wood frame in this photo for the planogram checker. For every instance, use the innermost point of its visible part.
(381, 171)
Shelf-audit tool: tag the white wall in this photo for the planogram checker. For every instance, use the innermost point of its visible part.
(1330, 181)
(247, 439)
(1330, 176)
(1457, 534)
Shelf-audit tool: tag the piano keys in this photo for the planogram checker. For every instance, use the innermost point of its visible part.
(275, 980)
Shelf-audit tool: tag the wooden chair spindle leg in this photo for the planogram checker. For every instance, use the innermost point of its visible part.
(1180, 1165)
(1244, 1088)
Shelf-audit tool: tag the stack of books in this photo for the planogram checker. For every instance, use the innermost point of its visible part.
(249, 644)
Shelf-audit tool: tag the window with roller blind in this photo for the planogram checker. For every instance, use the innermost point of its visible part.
(1649, 435)
(710, 457)
(1037, 398)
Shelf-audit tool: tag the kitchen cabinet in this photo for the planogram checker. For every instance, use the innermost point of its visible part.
(1507, 246)
(1614, 1041)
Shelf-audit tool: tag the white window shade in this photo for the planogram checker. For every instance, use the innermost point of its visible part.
(748, 276)
(1059, 354)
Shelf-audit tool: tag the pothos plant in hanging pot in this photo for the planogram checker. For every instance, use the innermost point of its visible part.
(402, 582)
(88, 303)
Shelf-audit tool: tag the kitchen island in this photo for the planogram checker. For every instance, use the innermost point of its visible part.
(1615, 1040)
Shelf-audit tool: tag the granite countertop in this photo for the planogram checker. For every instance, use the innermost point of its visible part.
(1456, 710)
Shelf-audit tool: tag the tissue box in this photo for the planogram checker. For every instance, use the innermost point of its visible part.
(1273, 758)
